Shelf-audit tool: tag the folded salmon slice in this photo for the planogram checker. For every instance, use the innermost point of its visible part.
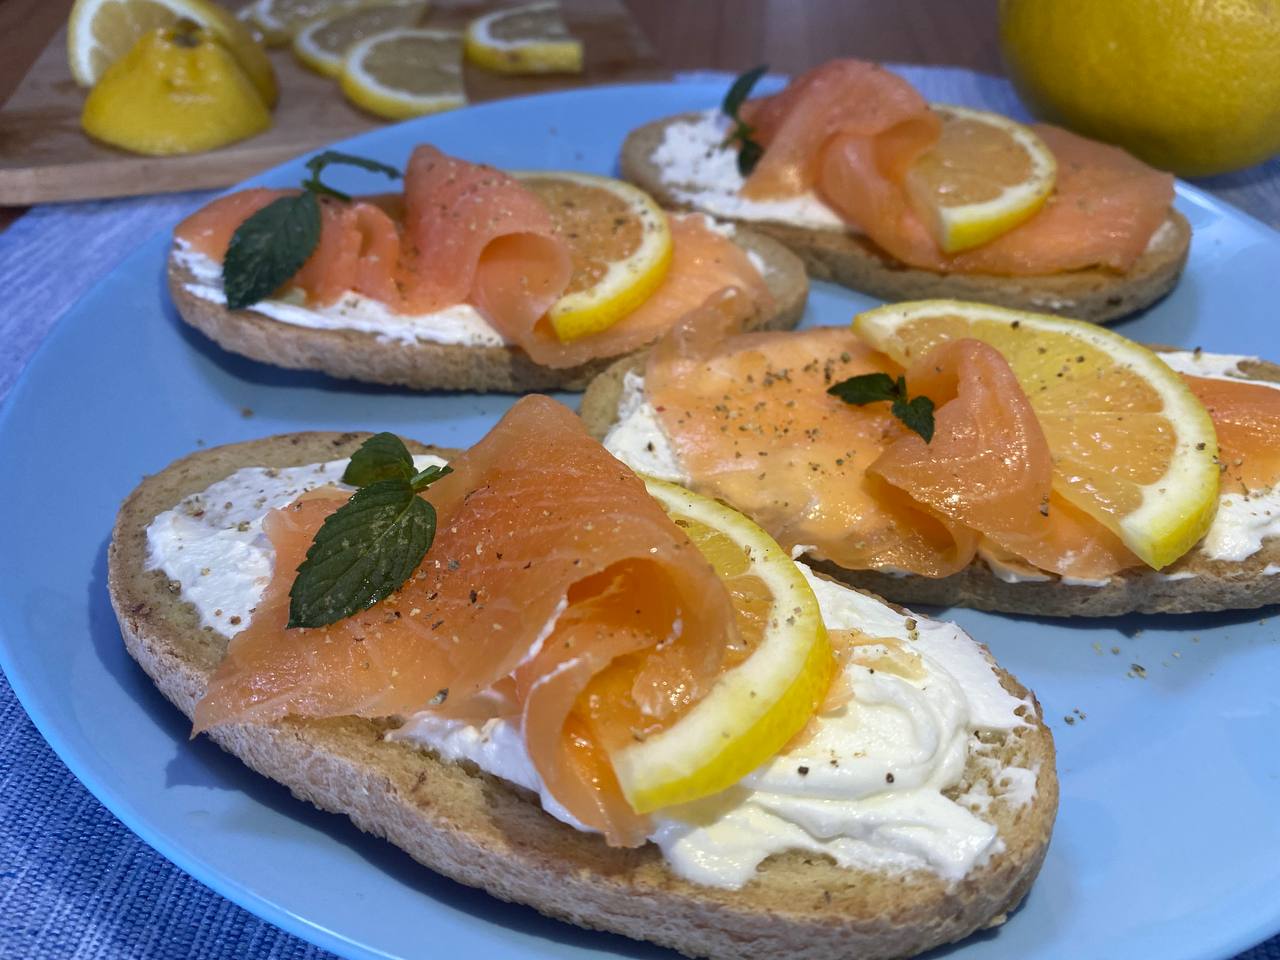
(851, 130)
(989, 467)
(1105, 208)
(751, 422)
(551, 562)
(847, 97)
(1246, 417)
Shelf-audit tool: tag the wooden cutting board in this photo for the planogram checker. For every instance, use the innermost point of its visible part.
(44, 155)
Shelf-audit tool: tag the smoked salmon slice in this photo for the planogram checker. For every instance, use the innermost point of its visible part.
(1246, 417)
(752, 423)
(851, 130)
(1105, 208)
(551, 567)
(847, 97)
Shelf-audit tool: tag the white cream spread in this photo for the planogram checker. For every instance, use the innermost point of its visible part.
(460, 324)
(1242, 523)
(212, 542)
(867, 789)
(701, 171)
(1212, 366)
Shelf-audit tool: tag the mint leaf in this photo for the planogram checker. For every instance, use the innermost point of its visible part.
(365, 550)
(867, 388)
(428, 476)
(269, 248)
(749, 151)
(316, 165)
(916, 414)
(741, 89)
(382, 457)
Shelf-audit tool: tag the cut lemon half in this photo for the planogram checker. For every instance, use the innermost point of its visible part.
(620, 242)
(322, 44)
(984, 176)
(405, 72)
(761, 701)
(280, 20)
(527, 39)
(1131, 444)
(101, 32)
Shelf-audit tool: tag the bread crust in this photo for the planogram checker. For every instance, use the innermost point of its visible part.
(853, 261)
(1194, 584)
(359, 355)
(486, 833)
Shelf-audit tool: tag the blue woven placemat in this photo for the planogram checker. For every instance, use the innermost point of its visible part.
(74, 882)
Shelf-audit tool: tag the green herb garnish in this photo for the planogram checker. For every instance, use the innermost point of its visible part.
(273, 244)
(916, 413)
(368, 547)
(749, 151)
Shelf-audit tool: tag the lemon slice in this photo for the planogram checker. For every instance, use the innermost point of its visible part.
(280, 20)
(984, 176)
(760, 703)
(528, 39)
(322, 44)
(405, 73)
(620, 242)
(1131, 444)
(101, 32)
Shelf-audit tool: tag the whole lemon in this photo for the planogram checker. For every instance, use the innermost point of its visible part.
(1191, 86)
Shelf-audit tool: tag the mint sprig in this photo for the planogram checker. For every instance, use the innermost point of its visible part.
(367, 548)
(915, 413)
(273, 244)
(749, 151)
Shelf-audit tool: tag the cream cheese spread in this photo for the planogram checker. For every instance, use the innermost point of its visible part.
(212, 542)
(1243, 521)
(869, 789)
(1212, 366)
(460, 324)
(699, 170)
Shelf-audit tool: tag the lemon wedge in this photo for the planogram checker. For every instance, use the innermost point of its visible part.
(322, 44)
(177, 91)
(1131, 444)
(984, 176)
(405, 72)
(620, 242)
(759, 703)
(101, 32)
(527, 39)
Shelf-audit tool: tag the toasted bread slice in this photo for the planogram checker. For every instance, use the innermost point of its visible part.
(359, 355)
(1194, 584)
(483, 832)
(853, 261)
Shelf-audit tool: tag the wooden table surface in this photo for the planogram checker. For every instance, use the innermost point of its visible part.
(789, 35)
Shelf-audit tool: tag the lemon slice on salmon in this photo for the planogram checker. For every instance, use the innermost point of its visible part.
(620, 242)
(761, 701)
(984, 176)
(405, 72)
(1131, 444)
(101, 32)
(528, 39)
(322, 44)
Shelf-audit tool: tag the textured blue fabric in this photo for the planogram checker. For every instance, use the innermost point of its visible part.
(74, 882)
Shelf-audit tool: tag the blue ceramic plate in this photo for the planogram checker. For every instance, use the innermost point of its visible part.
(1168, 841)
